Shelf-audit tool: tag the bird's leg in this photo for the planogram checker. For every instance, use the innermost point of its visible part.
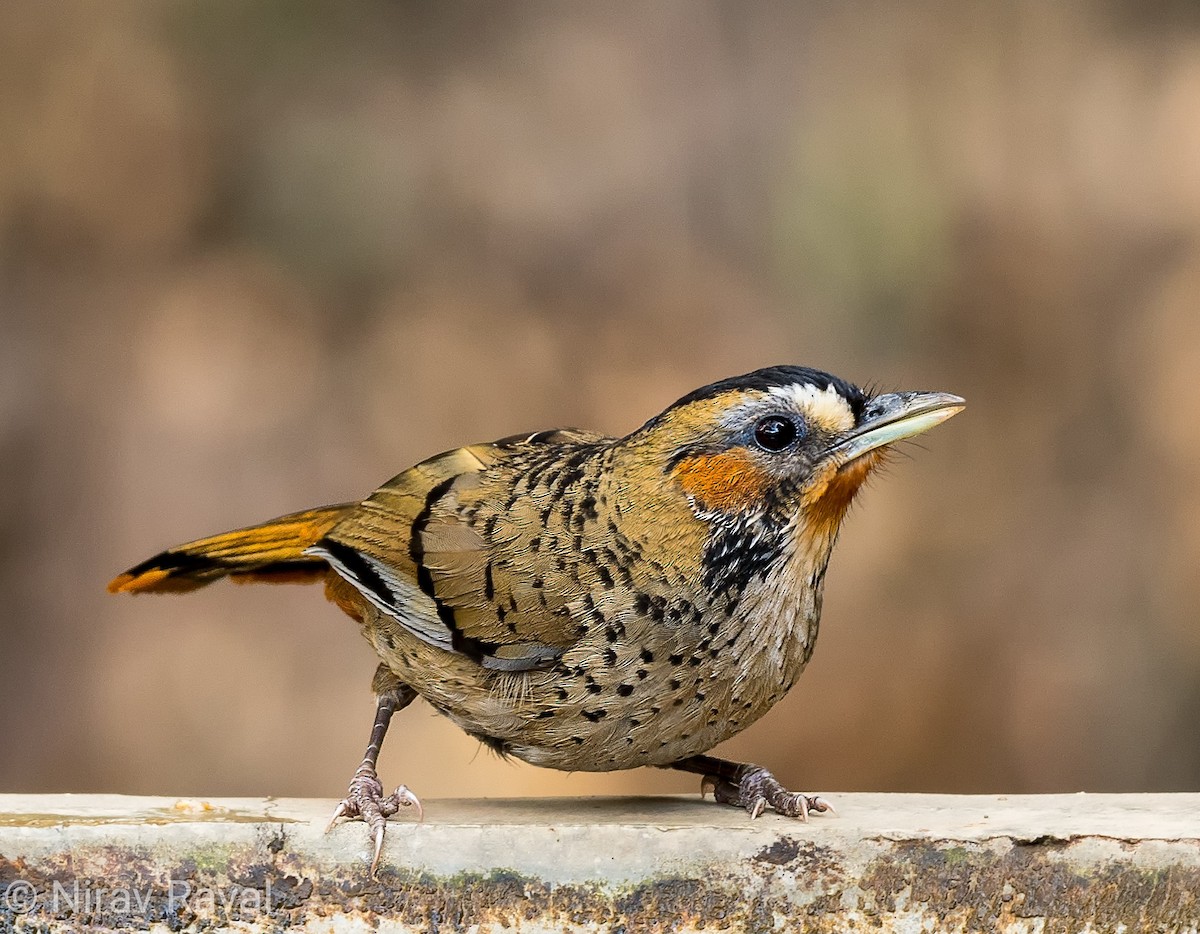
(750, 786)
(366, 800)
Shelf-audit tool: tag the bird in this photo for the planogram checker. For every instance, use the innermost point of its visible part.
(593, 603)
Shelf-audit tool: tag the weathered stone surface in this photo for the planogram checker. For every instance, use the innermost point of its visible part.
(1054, 863)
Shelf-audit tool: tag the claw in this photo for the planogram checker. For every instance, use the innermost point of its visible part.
(708, 784)
(379, 832)
(803, 808)
(339, 812)
(822, 806)
(756, 809)
(406, 798)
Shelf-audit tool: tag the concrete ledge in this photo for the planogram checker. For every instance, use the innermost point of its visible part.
(888, 863)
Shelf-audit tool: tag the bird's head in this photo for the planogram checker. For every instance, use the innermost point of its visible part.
(782, 444)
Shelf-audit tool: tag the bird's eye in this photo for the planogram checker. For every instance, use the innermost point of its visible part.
(775, 432)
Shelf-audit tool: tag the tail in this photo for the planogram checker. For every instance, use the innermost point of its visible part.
(272, 551)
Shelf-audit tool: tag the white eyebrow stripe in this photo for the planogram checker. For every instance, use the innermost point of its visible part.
(827, 407)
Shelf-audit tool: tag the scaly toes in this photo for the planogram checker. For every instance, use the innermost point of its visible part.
(723, 792)
(758, 789)
(367, 803)
(365, 794)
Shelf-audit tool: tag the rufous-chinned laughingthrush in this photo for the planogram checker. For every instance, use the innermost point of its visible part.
(591, 603)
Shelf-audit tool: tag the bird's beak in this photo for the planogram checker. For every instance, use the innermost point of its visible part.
(893, 417)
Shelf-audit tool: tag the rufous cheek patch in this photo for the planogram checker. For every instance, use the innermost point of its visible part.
(729, 481)
(825, 504)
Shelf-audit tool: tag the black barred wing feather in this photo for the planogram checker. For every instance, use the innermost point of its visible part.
(460, 549)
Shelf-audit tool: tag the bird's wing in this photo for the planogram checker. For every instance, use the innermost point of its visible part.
(455, 550)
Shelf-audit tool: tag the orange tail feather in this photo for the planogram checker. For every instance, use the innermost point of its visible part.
(272, 551)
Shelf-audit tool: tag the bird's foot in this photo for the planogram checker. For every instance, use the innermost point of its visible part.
(756, 789)
(366, 802)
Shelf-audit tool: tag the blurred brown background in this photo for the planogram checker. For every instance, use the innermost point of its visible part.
(260, 256)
